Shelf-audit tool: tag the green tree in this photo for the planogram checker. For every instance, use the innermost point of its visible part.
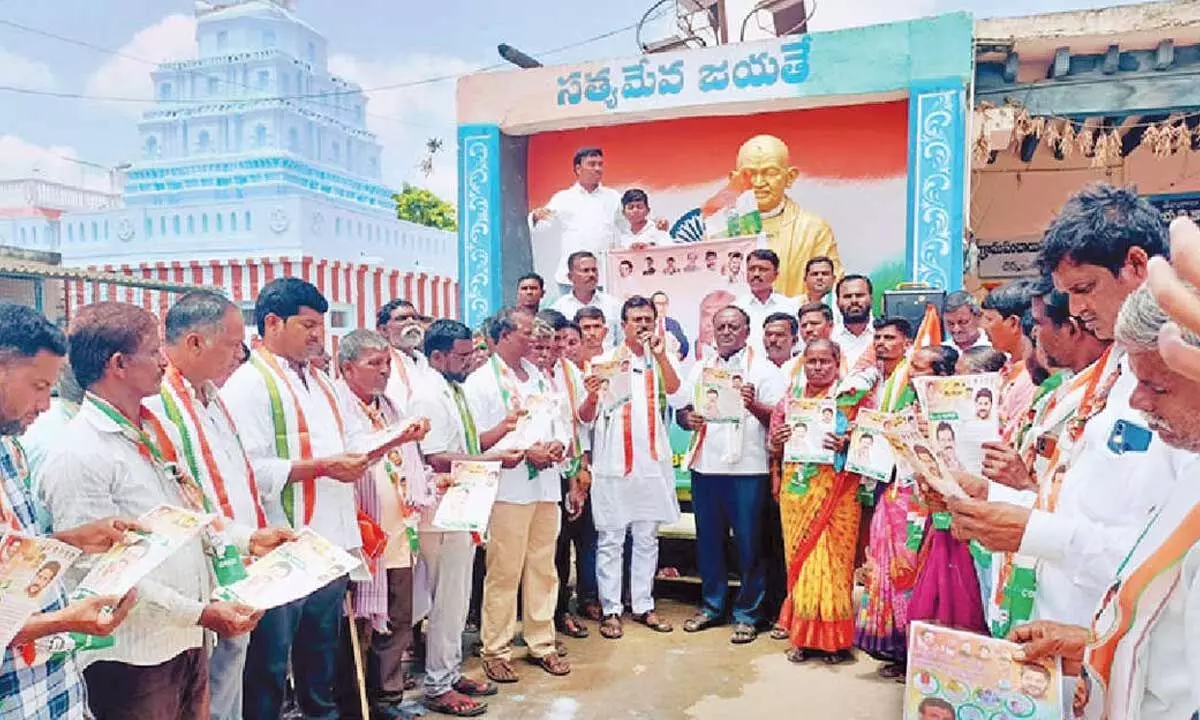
(422, 206)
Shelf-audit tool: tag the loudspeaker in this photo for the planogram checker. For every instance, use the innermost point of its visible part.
(910, 303)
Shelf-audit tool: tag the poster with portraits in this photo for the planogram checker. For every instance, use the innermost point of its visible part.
(913, 449)
(467, 504)
(30, 572)
(115, 572)
(811, 419)
(956, 675)
(962, 414)
(870, 454)
(540, 421)
(291, 571)
(719, 395)
(614, 382)
(688, 283)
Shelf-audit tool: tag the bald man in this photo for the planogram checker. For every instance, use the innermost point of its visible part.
(794, 234)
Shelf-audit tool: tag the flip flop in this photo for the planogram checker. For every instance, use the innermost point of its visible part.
(455, 704)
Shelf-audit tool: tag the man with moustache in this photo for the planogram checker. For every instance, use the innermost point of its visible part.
(400, 323)
(109, 462)
(593, 331)
(31, 356)
(294, 431)
(383, 606)
(963, 319)
(780, 331)
(584, 275)
(855, 336)
(203, 332)
(729, 479)
(1069, 546)
(585, 217)
(530, 291)
(762, 270)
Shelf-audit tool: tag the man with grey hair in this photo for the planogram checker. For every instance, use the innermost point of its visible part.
(1137, 662)
(203, 332)
(382, 606)
(962, 316)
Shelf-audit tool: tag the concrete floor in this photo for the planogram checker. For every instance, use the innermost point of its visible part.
(679, 675)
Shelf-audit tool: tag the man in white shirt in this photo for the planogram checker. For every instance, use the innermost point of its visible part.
(448, 556)
(762, 268)
(633, 486)
(293, 429)
(856, 335)
(523, 530)
(729, 478)
(963, 318)
(818, 280)
(593, 333)
(642, 233)
(399, 322)
(107, 463)
(585, 216)
(383, 606)
(1117, 472)
(43, 433)
(1137, 651)
(780, 333)
(203, 332)
(584, 277)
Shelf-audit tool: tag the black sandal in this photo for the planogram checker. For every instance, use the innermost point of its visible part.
(611, 628)
(455, 704)
(803, 655)
(838, 658)
(475, 688)
(654, 622)
(570, 626)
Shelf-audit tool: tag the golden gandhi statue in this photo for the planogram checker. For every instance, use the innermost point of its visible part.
(796, 235)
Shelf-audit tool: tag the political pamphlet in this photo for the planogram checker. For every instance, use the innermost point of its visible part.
(870, 454)
(540, 421)
(719, 396)
(962, 416)
(811, 419)
(30, 569)
(291, 571)
(964, 676)
(379, 443)
(467, 504)
(917, 452)
(124, 565)
(614, 382)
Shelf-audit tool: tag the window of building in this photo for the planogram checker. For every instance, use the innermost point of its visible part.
(335, 152)
(337, 227)
(219, 218)
(233, 222)
(175, 224)
(260, 135)
(246, 217)
(162, 225)
(214, 85)
(95, 231)
(312, 52)
(105, 229)
(70, 233)
(149, 227)
(204, 223)
(151, 146)
(22, 234)
(293, 140)
(203, 141)
(164, 91)
(263, 79)
(191, 225)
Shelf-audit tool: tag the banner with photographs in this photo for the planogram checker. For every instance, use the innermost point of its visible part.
(719, 396)
(688, 282)
(467, 504)
(30, 569)
(956, 674)
(291, 571)
(962, 415)
(870, 454)
(124, 565)
(811, 419)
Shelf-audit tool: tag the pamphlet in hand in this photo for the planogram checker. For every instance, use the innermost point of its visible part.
(379, 443)
(539, 422)
(870, 454)
(962, 416)
(467, 504)
(30, 569)
(614, 382)
(914, 449)
(719, 396)
(975, 677)
(124, 565)
(291, 571)
(811, 419)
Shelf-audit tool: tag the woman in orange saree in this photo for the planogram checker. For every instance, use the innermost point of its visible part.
(820, 513)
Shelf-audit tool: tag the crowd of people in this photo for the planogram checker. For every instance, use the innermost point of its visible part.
(1076, 542)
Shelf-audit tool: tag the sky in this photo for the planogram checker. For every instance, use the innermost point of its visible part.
(110, 53)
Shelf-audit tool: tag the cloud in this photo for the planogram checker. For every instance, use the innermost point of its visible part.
(22, 159)
(405, 118)
(127, 75)
(20, 71)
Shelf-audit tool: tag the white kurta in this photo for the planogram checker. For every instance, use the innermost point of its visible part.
(580, 220)
(727, 448)
(759, 311)
(649, 235)
(408, 373)
(246, 396)
(569, 305)
(647, 494)
(1156, 668)
(853, 346)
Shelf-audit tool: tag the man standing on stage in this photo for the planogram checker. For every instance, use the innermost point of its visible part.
(584, 217)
